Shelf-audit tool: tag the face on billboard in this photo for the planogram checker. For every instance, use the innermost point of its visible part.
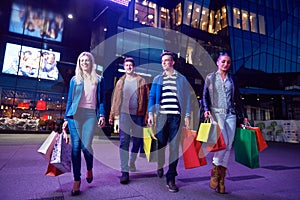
(30, 62)
(36, 22)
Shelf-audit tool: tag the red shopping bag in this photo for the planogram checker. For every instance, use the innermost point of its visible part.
(261, 142)
(219, 145)
(53, 171)
(193, 155)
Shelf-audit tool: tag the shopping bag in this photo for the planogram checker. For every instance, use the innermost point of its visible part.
(193, 156)
(219, 144)
(261, 142)
(208, 131)
(61, 155)
(204, 130)
(47, 147)
(245, 148)
(150, 144)
(53, 171)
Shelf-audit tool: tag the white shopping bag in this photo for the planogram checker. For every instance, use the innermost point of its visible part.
(47, 147)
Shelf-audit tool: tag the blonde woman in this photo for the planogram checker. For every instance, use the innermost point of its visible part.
(85, 108)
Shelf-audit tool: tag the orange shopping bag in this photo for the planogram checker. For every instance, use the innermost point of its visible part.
(193, 155)
(261, 142)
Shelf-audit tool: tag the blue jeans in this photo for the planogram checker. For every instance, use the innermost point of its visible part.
(130, 125)
(167, 127)
(82, 128)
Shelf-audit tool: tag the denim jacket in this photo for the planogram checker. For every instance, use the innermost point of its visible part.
(183, 94)
(74, 95)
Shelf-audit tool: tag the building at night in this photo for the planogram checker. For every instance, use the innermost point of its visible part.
(262, 36)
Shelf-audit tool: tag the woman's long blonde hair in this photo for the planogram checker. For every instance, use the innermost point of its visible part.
(79, 73)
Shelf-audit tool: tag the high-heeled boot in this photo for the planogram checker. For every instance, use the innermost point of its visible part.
(76, 188)
(214, 177)
(221, 186)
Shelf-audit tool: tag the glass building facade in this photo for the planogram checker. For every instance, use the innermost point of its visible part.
(262, 36)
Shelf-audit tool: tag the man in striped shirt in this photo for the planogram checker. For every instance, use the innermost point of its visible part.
(169, 99)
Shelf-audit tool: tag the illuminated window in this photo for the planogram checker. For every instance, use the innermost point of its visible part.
(223, 18)
(245, 20)
(145, 12)
(196, 16)
(217, 21)
(187, 12)
(177, 15)
(253, 22)
(164, 18)
(236, 18)
(211, 21)
(204, 19)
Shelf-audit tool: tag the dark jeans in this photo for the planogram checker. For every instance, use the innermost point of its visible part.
(130, 125)
(167, 127)
(82, 129)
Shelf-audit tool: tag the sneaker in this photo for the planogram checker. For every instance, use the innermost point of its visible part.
(172, 187)
(124, 178)
(160, 173)
(132, 167)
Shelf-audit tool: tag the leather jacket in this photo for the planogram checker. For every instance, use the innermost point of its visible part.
(143, 93)
(208, 100)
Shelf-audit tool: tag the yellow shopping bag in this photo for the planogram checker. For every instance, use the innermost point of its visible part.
(150, 144)
(203, 131)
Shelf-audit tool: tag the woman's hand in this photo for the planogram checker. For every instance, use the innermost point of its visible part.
(101, 122)
(64, 131)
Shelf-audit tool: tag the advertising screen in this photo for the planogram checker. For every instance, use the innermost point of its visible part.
(30, 62)
(36, 22)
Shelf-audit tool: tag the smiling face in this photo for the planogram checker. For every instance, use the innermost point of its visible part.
(85, 64)
(167, 62)
(224, 63)
(129, 67)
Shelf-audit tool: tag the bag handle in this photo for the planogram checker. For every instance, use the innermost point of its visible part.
(245, 125)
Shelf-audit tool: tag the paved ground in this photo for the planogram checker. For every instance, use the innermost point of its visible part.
(22, 176)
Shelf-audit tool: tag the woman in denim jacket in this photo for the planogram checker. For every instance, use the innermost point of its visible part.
(85, 108)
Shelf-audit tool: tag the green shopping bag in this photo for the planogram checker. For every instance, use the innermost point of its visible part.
(245, 148)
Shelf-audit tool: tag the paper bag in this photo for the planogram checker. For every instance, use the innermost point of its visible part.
(47, 147)
(245, 148)
(61, 155)
(150, 144)
(193, 155)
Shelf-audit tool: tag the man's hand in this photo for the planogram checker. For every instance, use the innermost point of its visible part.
(150, 120)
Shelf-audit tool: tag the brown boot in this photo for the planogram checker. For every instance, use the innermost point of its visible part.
(221, 186)
(214, 177)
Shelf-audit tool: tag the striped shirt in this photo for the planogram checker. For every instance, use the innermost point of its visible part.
(169, 102)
